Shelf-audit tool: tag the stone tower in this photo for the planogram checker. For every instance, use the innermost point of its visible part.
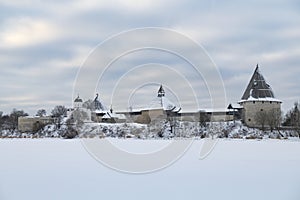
(258, 100)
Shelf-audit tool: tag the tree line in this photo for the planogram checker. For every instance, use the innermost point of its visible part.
(292, 118)
(10, 121)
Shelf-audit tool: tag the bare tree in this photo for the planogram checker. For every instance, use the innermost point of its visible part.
(5, 122)
(274, 119)
(59, 112)
(13, 118)
(1, 120)
(41, 113)
(292, 118)
(261, 118)
(295, 121)
(204, 119)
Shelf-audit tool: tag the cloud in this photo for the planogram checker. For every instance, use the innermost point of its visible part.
(22, 32)
(43, 44)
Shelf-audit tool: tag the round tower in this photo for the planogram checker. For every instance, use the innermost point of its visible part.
(259, 102)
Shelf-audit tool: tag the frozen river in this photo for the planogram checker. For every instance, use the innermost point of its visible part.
(236, 169)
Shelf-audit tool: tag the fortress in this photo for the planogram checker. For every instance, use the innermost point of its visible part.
(258, 100)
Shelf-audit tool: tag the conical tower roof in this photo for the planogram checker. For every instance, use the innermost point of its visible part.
(98, 105)
(161, 92)
(258, 88)
(162, 102)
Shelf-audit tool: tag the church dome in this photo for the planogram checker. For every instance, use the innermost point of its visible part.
(78, 99)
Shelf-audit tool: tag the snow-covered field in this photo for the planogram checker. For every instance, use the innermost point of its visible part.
(236, 169)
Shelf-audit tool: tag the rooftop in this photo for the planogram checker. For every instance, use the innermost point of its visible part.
(78, 99)
(258, 88)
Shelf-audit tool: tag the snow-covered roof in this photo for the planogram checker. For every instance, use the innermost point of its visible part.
(234, 106)
(106, 116)
(109, 115)
(261, 99)
(118, 116)
(100, 111)
(258, 88)
(215, 110)
(162, 103)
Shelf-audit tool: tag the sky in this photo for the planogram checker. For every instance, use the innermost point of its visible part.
(45, 44)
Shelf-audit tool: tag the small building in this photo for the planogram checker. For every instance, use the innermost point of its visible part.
(102, 114)
(257, 98)
(235, 110)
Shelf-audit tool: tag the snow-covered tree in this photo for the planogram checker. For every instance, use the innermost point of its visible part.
(89, 104)
(59, 112)
(74, 123)
(78, 116)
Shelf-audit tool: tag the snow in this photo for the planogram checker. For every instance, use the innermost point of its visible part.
(261, 99)
(214, 110)
(236, 106)
(160, 103)
(100, 111)
(236, 169)
(118, 116)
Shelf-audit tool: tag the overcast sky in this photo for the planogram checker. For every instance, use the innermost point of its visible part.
(44, 43)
